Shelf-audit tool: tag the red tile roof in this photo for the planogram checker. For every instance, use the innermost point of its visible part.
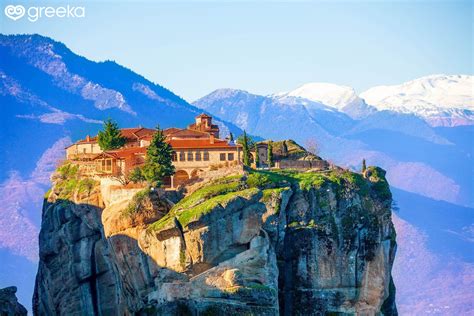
(203, 115)
(84, 141)
(136, 133)
(131, 134)
(123, 153)
(171, 130)
(188, 133)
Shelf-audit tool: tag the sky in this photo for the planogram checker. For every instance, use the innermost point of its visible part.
(195, 47)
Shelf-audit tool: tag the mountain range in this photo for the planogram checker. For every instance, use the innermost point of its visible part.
(428, 162)
(440, 100)
(420, 132)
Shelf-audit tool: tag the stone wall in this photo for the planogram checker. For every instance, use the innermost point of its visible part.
(302, 164)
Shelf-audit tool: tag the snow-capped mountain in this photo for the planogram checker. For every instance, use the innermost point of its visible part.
(259, 115)
(441, 100)
(342, 98)
(327, 93)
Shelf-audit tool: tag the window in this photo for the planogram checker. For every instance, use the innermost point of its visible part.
(206, 156)
(222, 156)
(230, 156)
(84, 150)
(190, 156)
(174, 156)
(105, 165)
(198, 156)
(108, 165)
(181, 156)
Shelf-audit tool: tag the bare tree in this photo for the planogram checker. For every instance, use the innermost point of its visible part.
(123, 177)
(312, 146)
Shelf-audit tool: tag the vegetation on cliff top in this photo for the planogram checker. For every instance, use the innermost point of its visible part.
(136, 205)
(289, 149)
(69, 181)
(380, 185)
(186, 215)
(271, 183)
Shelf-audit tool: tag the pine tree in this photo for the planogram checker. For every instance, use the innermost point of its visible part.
(270, 154)
(158, 163)
(364, 166)
(136, 175)
(110, 137)
(245, 149)
(284, 148)
(257, 158)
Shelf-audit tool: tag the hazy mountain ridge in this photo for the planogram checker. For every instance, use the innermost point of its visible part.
(416, 155)
(49, 89)
(346, 141)
(46, 88)
(426, 161)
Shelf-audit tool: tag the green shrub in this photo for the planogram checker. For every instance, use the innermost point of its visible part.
(67, 170)
(379, 183)
(70, 181)
(186, 213)
(86, 185)
(258, 180)
(293, 224)
(136, 175)
(194, 213)
(136, 203)
(222, 186)
(46, 195)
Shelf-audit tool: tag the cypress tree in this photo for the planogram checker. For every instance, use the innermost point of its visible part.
(158, 163)
(284, 148)
(270, 154)
(231, 137)
(110, 137)
(364, 166)
(257, 158)
(246, 150)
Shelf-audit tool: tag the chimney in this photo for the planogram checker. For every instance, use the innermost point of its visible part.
(88, 138)
(211, 138)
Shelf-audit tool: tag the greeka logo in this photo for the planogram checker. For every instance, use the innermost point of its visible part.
(16, 12)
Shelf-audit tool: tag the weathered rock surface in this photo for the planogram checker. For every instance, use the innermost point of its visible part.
(9, 305)
(258, 244)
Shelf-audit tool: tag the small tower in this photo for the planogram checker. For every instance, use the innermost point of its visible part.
(204, 124)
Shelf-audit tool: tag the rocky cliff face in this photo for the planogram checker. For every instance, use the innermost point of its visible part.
(9, 305)
(259, 243)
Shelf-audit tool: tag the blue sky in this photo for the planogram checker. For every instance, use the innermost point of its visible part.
(194, 47)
